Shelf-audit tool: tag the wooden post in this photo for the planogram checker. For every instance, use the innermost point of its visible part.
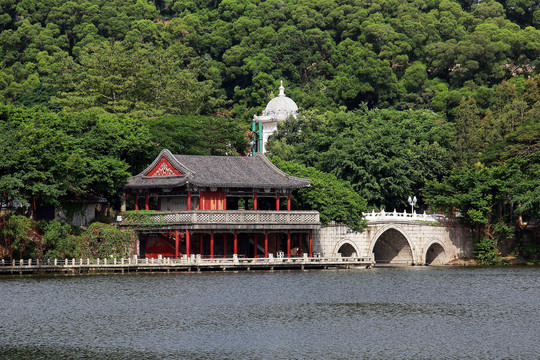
(254, 200)
(277, 200)
(235, 242)
(288, 201)
(266, 243)
(176, 243)
(147, 201)
(136, 201)
(188, 243)
(189, 200)
(212, 243)
(310, 243)
(288, 243)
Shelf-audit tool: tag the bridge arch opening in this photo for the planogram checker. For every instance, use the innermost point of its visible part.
(435, 255)
(347, 250)
(392, 248)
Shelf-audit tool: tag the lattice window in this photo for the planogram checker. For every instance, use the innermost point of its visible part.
(311, 218)
(296, 218)
(184, 217)
(218, 217)
(266, 217)
(250, 217)
(235, 218)
(170, 218)
(203, 217)
(281, 217)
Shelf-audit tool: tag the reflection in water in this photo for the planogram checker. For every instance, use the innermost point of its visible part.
(426, 313)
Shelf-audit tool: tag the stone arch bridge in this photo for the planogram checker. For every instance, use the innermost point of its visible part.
(398, 239)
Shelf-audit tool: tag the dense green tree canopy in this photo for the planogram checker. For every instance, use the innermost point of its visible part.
(386, 155)
(200, 135)
(335, 199)
(46, 156)
(150, 58)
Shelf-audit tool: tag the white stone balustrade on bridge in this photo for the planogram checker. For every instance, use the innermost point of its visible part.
(395, 216)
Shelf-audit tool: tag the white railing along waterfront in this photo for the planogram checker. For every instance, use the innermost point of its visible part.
(193, 260)
(402, 216)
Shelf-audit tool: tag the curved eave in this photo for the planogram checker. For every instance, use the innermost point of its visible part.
(253, 186)
(145, 182)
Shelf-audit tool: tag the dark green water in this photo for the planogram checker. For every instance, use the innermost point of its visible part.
(407, 313)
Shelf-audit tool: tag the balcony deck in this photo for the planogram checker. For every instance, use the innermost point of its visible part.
(223, 219)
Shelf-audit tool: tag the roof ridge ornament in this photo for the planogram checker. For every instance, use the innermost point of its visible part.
(281, 89)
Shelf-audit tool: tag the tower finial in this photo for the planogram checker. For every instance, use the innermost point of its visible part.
(281, 89)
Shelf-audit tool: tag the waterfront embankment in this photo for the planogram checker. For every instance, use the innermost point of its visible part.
(184, 264)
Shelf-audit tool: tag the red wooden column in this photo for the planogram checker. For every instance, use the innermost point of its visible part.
(212, 243)
(310, 243)
(224, 245)
(146, 201)
(201, 244)
(189, 200)
(188, 243)
(254, 201)
(277, 201)
(136, 201)
(255, 239)
(265, 243)
(288, 243)
(224, 201)
(176, 243)
(235, 242)
(288, 201)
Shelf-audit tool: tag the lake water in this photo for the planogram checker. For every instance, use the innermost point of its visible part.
(381, 313)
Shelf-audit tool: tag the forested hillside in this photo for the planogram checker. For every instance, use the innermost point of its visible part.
(147, 59)
(436, 98)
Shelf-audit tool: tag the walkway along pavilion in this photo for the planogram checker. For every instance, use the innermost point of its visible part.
(217, 206)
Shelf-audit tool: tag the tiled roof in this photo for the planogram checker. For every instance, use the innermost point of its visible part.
(218, 171)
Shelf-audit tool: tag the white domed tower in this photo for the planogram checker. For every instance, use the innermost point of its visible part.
(277, 110)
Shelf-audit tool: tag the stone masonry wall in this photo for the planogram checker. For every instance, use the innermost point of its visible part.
(454, 239)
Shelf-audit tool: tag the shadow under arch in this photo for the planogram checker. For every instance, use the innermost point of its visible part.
(435, 253)
(392, 246)
(346, 248)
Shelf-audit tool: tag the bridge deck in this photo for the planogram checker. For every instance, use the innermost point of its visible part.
(179, 265)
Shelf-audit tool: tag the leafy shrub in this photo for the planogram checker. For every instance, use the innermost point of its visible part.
(485, 250)
(532, 251)
(19, 237)
(102, 240)
(58, 240)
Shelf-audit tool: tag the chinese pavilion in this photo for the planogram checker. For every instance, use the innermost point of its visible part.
(217, 206)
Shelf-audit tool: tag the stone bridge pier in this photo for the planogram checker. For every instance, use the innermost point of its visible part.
(398, 239)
